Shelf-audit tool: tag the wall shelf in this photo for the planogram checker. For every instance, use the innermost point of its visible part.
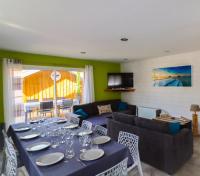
(120, 90)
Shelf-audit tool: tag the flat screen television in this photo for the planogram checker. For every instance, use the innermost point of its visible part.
(120, 80)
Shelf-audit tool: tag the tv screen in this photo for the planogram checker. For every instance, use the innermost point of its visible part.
(120, 80)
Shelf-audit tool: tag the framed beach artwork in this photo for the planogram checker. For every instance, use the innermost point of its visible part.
(180, 76)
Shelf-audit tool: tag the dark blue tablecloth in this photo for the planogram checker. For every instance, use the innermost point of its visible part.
(114, 153)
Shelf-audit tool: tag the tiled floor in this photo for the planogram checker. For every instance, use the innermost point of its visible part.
(191, 168)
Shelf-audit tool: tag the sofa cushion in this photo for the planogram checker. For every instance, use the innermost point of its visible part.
(82, 113)
(113, 103)
(104, 109)
(88, 108)
(152, 124)
(122, 106)
(124, 118)
(174, 127)
(100, 119)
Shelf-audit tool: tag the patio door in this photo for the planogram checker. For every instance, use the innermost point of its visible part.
(49, 92)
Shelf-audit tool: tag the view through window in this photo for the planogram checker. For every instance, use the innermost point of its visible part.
(48, 93)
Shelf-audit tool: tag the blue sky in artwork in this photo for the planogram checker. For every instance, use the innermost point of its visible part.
(176, 70)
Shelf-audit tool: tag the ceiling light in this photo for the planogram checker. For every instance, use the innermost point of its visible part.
(124, 39)
(83, 52)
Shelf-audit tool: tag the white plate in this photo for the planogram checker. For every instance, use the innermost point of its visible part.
(19, 129)
(49, 159)
(101, 140)
(61, 121)
(38, 146)
(85, 132)
(34, 121)
(71, 126)
(91, 154)
(30, 136)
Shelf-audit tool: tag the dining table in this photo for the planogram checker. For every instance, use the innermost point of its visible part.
(113, 151)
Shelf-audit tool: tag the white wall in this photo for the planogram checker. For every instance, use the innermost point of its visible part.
(175, 100)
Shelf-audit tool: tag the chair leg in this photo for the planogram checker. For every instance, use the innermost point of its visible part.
(140, 169)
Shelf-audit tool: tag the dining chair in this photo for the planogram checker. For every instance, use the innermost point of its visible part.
(131, 141)
(119, 169)
(46, 107)
(66, 104)
(74, 120)
(100, 130)
(10, 165)
(86, 125)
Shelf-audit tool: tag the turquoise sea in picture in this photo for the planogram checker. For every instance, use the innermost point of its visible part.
(173, 76)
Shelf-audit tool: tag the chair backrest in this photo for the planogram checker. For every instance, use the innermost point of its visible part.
(119, 169)
(131, 141)
(46, 105)
(4, 134)
(74, 120)
(86, 125)
(100, 130)
(67, 102)
(10, 167)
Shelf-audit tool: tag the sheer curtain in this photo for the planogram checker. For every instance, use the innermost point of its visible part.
(88, 91)
(12, 92)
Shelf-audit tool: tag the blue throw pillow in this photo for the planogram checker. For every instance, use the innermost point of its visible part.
(174, 127)
(122, 106)
(81, 112)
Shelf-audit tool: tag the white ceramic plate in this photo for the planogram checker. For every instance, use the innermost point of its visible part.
(85, 132)
(91, 154)
(38, 146)
(34, 121)
(71, 126)
(20, 129)
(61, 121)
(101, 140)
(49, 159)
(30, 136)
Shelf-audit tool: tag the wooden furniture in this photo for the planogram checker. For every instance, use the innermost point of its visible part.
(120, 90)
(184, 122)
(195, 108)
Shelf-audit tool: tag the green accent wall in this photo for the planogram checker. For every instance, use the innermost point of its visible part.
(100, 71)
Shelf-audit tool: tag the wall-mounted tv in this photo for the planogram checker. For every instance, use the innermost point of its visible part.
(120, 80)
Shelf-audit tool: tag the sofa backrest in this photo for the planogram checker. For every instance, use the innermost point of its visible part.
(91, 108)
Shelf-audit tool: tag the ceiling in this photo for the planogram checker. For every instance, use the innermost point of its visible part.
(67, 27)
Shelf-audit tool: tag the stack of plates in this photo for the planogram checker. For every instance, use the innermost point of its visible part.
(30, 136)
(38, 146)
(49, 159)
(91, 154)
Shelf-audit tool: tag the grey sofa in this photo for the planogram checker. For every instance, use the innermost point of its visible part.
(157, 147)
(93, 114)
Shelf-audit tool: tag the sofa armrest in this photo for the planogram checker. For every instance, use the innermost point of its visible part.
(133, 109)
(181, 151)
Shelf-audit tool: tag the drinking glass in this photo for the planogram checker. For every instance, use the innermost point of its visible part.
(69, 153)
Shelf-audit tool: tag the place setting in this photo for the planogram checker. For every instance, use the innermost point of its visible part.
(31, 135)
(22, 128)
(37, 146)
